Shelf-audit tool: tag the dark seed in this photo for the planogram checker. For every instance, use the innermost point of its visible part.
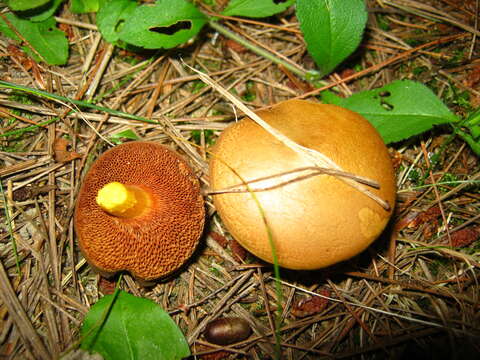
(226, 331)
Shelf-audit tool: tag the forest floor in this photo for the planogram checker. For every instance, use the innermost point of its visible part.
(413, 294)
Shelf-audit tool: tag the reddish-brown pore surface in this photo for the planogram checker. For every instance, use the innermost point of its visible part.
(161, 239)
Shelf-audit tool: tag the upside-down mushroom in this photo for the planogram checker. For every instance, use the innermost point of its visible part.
(139, 209)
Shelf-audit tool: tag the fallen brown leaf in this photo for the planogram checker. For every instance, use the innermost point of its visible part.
(217, 355)
(473, 77)
(106, 286)
(61, 152)
(235, 46)
(220, 239)
(465, 237)
(238, 250)
(310, 306)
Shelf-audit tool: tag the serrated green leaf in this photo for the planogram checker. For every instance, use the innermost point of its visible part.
(165, 24)
(23, 5)
(47, 12)
(111, 17)
(332, 29)
(85, 6)
(43, 36)
(256, 8)
(399, 110)
(135, 328)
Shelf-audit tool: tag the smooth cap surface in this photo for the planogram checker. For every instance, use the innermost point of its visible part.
(163, 237)
(315, 222)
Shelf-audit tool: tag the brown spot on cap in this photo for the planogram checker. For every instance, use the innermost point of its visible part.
(159, 240)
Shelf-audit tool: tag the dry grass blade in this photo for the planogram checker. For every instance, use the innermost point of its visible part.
(389, 313)
(29, 335)
(312, 171)
(429, 12)
(228, 296)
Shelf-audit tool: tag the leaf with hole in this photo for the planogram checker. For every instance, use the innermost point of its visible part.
(24, 5)
(399, 110)
(49, 43)
(332, 29)
(112, 16)
(134, 328)
(256, 8)
(165, 24)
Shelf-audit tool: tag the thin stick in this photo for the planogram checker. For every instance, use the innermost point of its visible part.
(8, 218)
(315, 171)
(258, 50)
(30, 337)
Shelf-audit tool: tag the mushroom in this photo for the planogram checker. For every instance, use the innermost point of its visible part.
(315, 219)
(139, 209)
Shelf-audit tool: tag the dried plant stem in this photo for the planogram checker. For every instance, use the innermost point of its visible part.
(429, 12)
(30, 337)
(10, 228)
(312, 171)
(398, 315)
(315, 157)
(107, 55)
(258, 50)
(220, 305)
(20, 36)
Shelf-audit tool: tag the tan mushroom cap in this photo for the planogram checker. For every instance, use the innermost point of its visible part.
(315, 222)
(159, 240)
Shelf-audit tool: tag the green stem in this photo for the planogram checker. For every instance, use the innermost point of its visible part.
(276, 266)
(278, 285)
(28, 128)
(258, 50)
(80, 103)
(97, 327)
(474, 143)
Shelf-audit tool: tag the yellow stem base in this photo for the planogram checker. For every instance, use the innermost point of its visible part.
(126, 201)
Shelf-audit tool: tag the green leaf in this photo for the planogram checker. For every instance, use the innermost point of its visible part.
(165, 24)
(112, 16)
(399, 110)
(47, 12)
(48, 41)
(332, 29)
(85, 6)
(23, 5)
(256, 8)
(135, 328)
(126, 134)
